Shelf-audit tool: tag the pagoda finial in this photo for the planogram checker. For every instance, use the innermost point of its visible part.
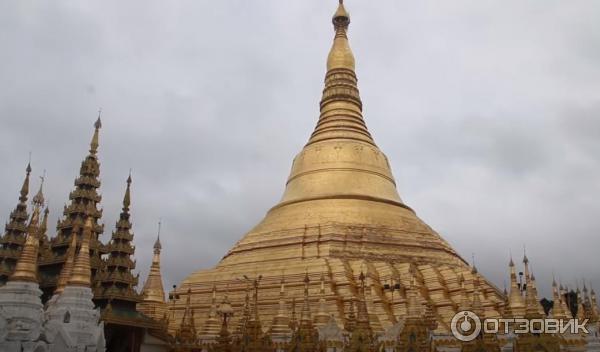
(38, 199)
(474, 269)
(26, 268)
(44, 225)
(81, 275)
(516, 305)
(340, 55)
(340, 106)
(25, 187)
(157, 245)
(153, 293)
(527, 274)
(94, 143)
(127, 197)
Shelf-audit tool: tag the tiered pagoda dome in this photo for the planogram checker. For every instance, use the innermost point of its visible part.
(341, 215)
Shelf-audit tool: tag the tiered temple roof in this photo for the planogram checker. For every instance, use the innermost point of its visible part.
(11, 243)
(84, 200)
(116, 282)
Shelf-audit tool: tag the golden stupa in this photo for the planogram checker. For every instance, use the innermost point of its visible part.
(340, 215)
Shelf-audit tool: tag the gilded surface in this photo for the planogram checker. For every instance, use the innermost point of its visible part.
(340, 215)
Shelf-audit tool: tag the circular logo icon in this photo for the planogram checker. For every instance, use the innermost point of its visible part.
(465, 326)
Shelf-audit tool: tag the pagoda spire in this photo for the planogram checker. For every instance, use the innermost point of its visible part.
(476, 305)
(516, 305)
(526, 265)
(414, 308)
(340, 159)
(558, 311)
(305, 313)
(186, 334)
(67, 270)
(15, 233)
(117, 283)
(280, 328)
(81, 274)
(321, 317)
(153, 304)
(341, 107)
(95, 143)
(26, 268)
(362, 338)
(84, 201)
(25, 187)
(245, 317)
(305, 337)
(533, 308)
(293, 321)
(212, 326)
(465, 304)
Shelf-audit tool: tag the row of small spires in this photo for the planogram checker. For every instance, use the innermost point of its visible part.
(39, 199)
(76, 271)
(521, 301)
(250, 311)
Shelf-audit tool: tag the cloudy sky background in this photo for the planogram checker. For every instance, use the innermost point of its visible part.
(489, 112)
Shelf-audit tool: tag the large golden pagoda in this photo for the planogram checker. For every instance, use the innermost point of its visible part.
(341, 214)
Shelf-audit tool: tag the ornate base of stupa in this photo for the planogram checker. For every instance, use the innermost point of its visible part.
(73, 322)
(20, 314)
(338, 253)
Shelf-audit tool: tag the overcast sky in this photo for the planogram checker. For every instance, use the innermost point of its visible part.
(489, 112)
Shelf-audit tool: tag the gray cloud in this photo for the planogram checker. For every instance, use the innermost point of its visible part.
(488, 112)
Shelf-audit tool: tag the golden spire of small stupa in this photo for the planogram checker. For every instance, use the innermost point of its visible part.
(476, 305)
(527, 273)
(321, 317)
(94, 143)
(81, 275)
(465, 303)
(281, 322)
(282, 304)
(533, 307)
(67, 269)
(26, 268)
(515, 299)
(414, 309)
(305, 314)
(153, 288)
(558, 311)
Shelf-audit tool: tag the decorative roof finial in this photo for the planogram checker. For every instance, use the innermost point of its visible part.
(157, 245)
(38, 199)
(94, 143)
(25, 187)
(127, 197)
